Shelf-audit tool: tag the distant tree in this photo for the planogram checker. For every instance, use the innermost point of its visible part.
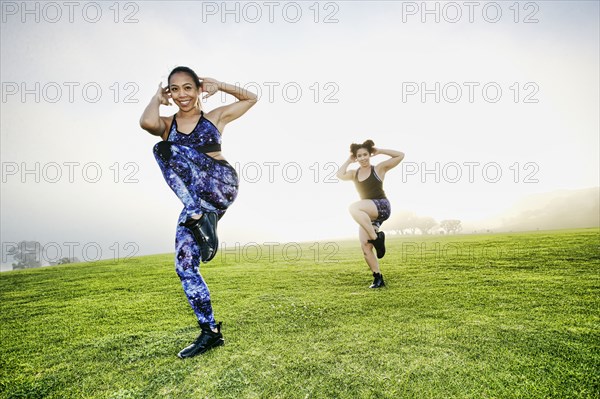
(26, 254)
(402, 221)
(451, 226)
(65, 260)
(424, 224)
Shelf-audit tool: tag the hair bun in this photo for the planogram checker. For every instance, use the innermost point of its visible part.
(368, 145)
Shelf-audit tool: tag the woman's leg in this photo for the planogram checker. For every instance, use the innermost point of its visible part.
(187, 266)
(217, 187)
(367, 249)
(203, 185)
(363, 212)
(179, 165)
(215, 183)
(187, 263)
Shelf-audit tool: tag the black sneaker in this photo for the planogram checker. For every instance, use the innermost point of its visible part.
(377, 281)
(379, 244)
(208, 339)
(204, 231)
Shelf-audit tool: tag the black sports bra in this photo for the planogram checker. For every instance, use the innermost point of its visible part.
(204, 138)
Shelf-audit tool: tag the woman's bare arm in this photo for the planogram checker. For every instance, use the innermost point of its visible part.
(227, 113)
(150, 120)
(383, 167)
(344, 174)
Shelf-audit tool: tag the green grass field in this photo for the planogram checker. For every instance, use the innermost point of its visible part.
(474, 316)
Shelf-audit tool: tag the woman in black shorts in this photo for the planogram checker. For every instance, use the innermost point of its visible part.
(374, 207)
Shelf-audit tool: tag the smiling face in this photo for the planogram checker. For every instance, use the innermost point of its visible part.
(363, 157)
(183, 91)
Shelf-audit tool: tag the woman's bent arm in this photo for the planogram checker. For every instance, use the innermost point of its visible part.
(150, 119)
(228, 113)
(396, 158)
(342, 174)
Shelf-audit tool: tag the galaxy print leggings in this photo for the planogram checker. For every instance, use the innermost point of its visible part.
(203, 184)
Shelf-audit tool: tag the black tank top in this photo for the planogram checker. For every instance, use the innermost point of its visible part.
(371, 187)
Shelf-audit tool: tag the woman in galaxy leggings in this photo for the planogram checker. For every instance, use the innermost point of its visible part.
(191, 162)
(374, 207)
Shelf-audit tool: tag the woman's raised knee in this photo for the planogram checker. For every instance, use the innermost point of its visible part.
(354, 208)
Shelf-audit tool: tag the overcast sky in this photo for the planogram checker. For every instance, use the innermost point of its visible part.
(492, 102)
